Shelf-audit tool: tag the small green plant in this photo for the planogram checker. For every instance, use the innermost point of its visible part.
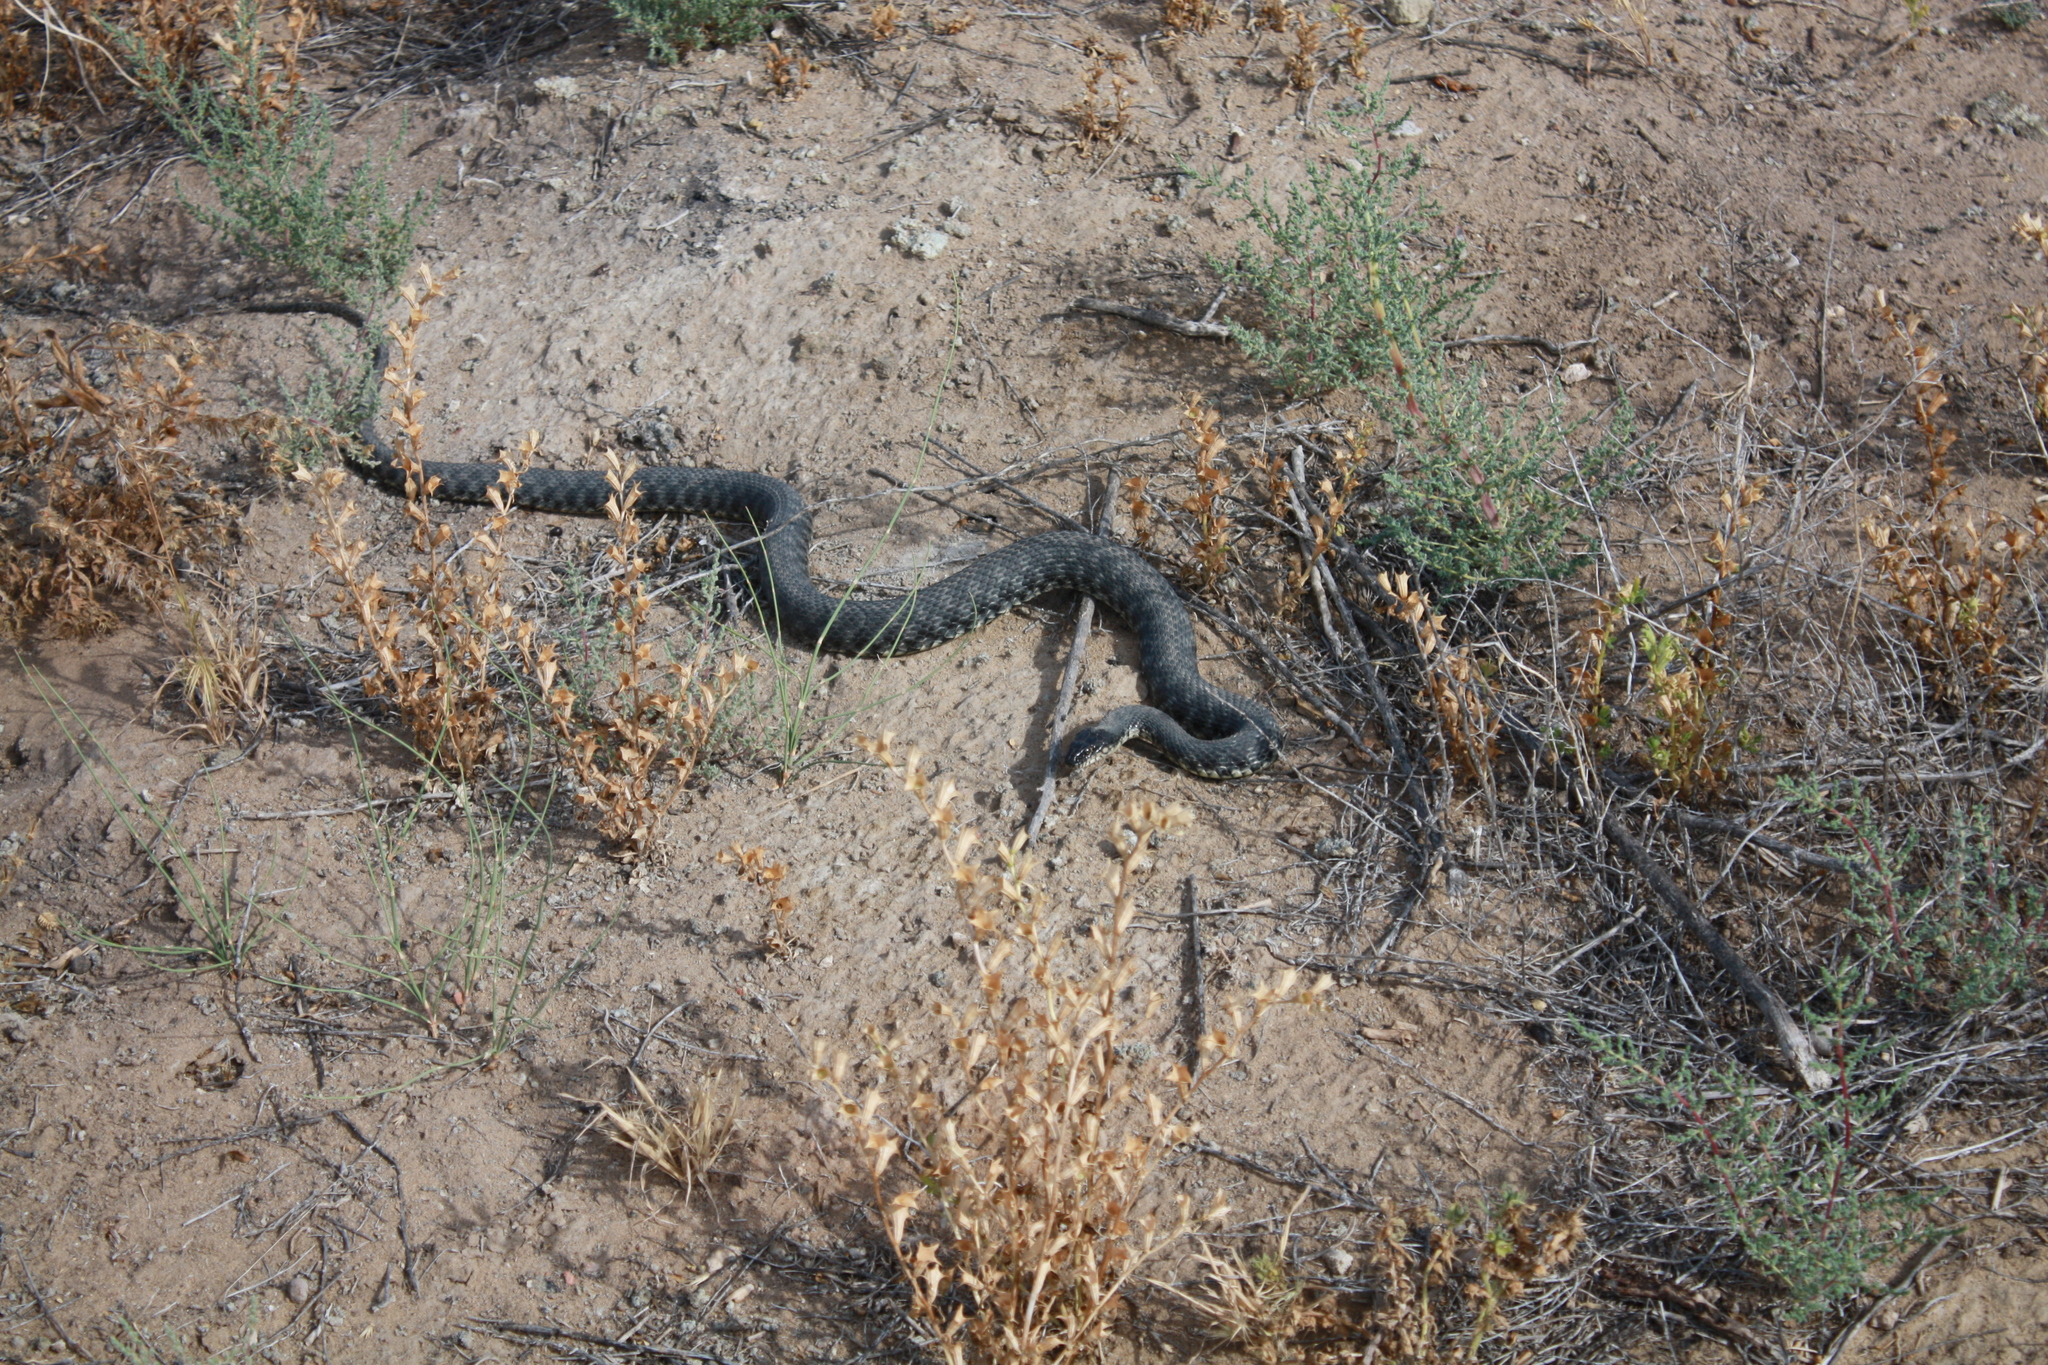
(1950, 922)
(1785, 1170)
(675, 28)
(267, 145)
(1341, 298)
(1475, 492)
(138, 1345)
(2015, 16)
(1348, 301)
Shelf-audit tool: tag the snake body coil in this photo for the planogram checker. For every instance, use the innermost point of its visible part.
(1200, 727)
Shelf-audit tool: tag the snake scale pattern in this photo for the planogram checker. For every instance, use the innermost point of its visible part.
(1197, 725)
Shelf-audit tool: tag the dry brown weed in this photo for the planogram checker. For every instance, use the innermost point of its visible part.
(1100, 116)
(635, 743)
(681, 1141)
(1015, 1170)
(1436, 1297)
(224, 674)
(434, 653)
(1949, 567)
(107, 502)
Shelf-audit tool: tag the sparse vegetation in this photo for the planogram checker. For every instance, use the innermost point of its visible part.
(1016, 1167)
(267, 146)
(1603, 744)
(107, 501)
(675, 28)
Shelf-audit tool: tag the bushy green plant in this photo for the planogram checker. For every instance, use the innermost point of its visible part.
(673, 28)
(1785, 1173)
(1342, 297)
(1476, 491)
(267, 146)
(2016, 16)
(1958, 928)
(1348, 299)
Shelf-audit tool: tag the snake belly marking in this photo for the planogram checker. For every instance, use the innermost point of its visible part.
(1197, 725)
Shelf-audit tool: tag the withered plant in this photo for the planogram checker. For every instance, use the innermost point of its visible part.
(1357, 38)
(635, 741)
(1437, 1288)
(1944, 563)
(1305, 63)
(106, 501)
(435, 654)
(1014, 1172)
(679, 1140)
(883, 20)
(1276, 15)
(755, 866)
(1209, 556)
(790, 72)
(2032, 323)
(1455, 688)
(1101, 116)
(224, 674)
(1190, 16)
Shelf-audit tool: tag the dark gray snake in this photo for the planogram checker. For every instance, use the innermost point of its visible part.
(1199, 726)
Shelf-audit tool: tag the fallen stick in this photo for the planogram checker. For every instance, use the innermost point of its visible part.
(1153, 317)
(1792, 1039)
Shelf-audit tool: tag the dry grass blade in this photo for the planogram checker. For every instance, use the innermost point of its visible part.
(682, 1141)
(224, 675)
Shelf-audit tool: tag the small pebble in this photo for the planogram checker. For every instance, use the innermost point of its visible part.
(299, 1289)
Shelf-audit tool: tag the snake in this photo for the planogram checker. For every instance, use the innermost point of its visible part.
(1197, 725)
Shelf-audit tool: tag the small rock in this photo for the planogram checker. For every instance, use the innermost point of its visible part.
(956, 207)
(953, 227)
(1407, 13)
(299, 1289)
(1333, 847)
(557, 87)
(1338, 1261)
(1409, 128)
(15, 1028)
(1575, 373)
(882, 367)
(938, 979)
(1176, 225)
(913, 238)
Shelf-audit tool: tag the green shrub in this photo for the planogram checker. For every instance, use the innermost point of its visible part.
(1953, 923)
(1786, 1172)
(1476, 494)
(1341, 297)
(673, 28)
(268, 148)
(1347, 298)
